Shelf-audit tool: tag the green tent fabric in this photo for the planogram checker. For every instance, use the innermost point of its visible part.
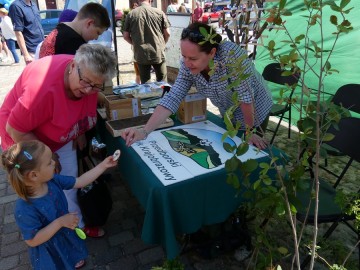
(345, 58)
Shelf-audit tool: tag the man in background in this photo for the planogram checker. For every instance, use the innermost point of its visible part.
(198, 12)
(27, 26)
(147, 29)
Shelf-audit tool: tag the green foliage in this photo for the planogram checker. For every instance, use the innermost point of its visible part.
(125, 12)
(170, 265)
(272, 196)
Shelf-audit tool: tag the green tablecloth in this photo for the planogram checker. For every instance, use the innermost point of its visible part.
(183, 207)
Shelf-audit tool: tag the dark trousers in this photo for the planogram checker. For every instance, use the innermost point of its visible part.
(160, 72)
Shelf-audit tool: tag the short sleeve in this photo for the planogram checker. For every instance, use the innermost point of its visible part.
(30, 112)
(17, 17)
(65, 182)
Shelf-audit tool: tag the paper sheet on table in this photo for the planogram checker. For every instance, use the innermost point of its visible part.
(179, 153)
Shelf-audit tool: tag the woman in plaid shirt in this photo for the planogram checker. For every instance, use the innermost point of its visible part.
(255, 98)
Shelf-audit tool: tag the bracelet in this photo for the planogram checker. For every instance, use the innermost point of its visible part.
(143, 130)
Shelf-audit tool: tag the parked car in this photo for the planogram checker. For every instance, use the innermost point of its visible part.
(118, 17)
(210, 16)
(49, 19)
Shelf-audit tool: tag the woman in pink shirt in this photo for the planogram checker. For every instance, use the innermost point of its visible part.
(54, 101)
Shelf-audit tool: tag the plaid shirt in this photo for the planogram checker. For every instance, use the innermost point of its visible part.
(252, 90)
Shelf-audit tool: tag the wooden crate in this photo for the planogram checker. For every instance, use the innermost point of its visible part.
(116, 127)
(192, 109)
(120, 108)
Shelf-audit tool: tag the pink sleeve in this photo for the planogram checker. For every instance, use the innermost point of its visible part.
(30, 112)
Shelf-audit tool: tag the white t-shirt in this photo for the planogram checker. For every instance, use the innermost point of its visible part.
(7, 28)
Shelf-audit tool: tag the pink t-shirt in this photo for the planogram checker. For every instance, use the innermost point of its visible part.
(38, 103)
(198, 12)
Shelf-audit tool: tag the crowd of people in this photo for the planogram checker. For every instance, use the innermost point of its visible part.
(46, 114)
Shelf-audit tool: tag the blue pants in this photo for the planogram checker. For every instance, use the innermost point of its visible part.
(11, 45)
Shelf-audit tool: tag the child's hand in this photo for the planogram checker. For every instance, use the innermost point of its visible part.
(109, 162)
(70, 220)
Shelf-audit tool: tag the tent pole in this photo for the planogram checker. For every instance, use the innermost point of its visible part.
(115, 39)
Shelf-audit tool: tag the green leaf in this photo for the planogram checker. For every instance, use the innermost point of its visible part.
(345, 23)
(203, 31)
(344, 3)
(327, 66)
(264, 165)
(249, 165)
(231, 164)
(300, 37)
(267, 181)
(228, 148)
(257, 184)
(280, 210)
(283, 250)
(282, 4)
(333, 20)
(233, 180)
(328, 137)
(242, 149)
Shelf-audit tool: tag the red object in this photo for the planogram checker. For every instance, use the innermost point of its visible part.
(118, 17)
(94, 232)
(209, 17)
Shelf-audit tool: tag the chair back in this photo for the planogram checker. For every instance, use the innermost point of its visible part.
(347, 137)
(348, 96)
(272, 73)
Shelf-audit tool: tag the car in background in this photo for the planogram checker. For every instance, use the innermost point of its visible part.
(210, 16)
(49, 19)
(118, 17)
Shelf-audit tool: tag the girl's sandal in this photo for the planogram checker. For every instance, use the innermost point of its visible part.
(94, 232)
(80, 264)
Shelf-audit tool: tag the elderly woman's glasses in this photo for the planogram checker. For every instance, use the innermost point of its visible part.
(192, 35)
(86, 84)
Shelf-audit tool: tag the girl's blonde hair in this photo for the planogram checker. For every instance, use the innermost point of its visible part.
(18, 161)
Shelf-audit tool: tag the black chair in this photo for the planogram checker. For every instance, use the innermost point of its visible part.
(273, 73)
(347, 96)
(346, 140)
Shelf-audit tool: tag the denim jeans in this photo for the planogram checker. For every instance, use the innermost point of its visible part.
(11, 45)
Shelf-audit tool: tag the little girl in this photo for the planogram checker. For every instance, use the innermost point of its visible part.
(41, 212)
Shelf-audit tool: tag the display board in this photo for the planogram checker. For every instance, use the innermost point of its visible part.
(183, 152)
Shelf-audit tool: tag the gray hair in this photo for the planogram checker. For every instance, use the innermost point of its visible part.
(98, 59)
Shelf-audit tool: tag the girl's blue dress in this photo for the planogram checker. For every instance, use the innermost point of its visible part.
(65, 248)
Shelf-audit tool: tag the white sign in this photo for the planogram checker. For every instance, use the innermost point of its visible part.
(183, 152)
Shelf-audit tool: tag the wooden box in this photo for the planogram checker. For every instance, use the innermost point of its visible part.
(192, 109)
(116, 127)
(120, 107)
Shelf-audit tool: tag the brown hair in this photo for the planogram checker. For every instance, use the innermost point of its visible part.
(96, 12)
(18, 161)
(193, 34)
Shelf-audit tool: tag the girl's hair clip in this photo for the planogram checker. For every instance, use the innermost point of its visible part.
(17, 166)
(28, 156)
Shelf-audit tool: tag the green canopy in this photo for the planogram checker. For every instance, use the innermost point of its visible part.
(346, 55)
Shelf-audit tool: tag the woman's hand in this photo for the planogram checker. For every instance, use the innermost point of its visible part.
(58, 168)
(258, 141)
(131, 135)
